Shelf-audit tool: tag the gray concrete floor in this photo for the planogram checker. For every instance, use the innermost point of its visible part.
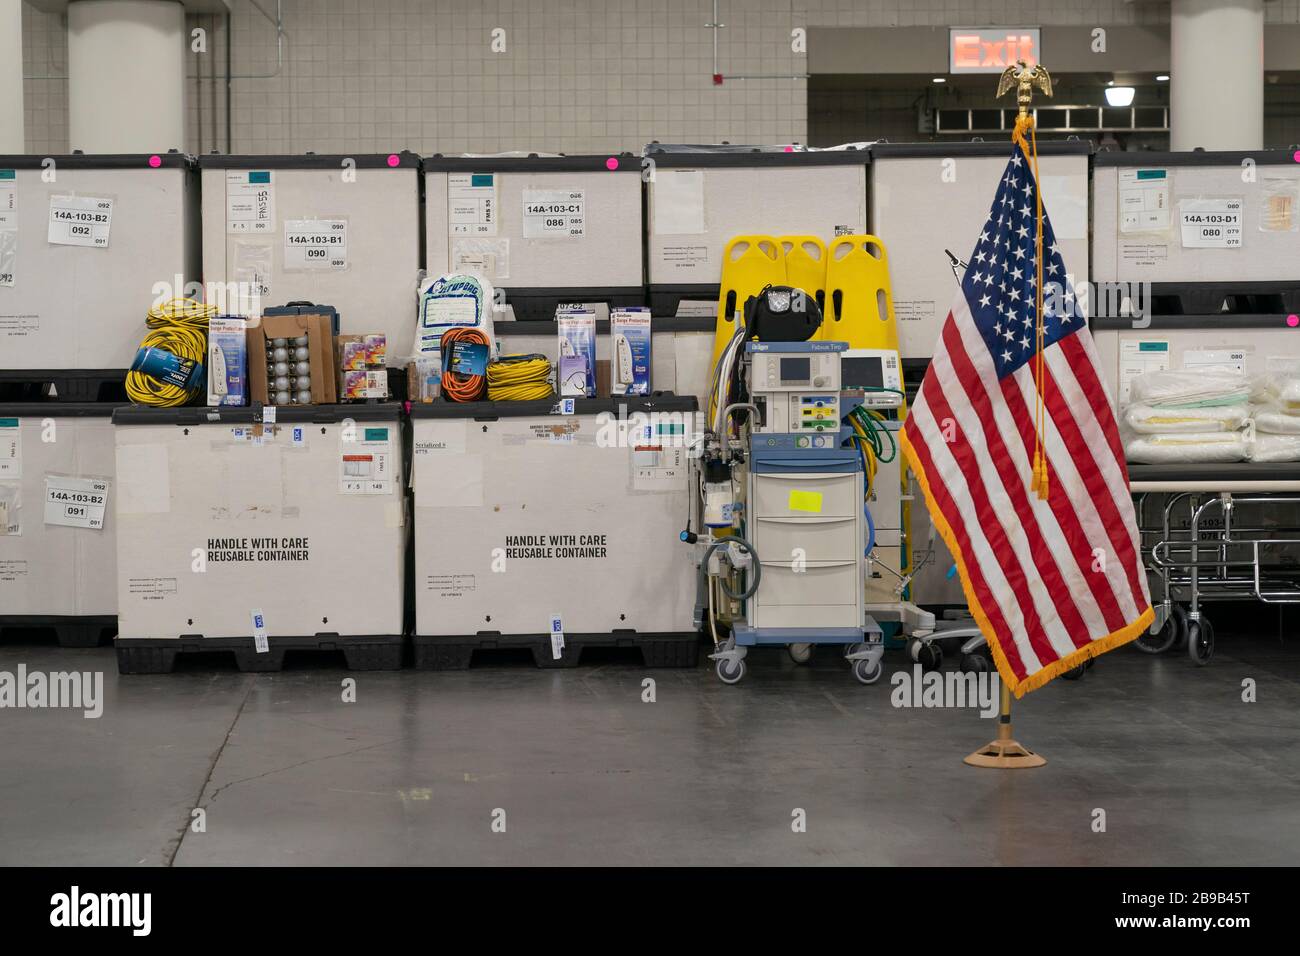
(587, 773)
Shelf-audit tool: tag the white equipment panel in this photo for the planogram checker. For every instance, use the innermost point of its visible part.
(926, 198)
(86, 242)
(57, 528)
(219, 516)
(812, 562)
(331, 230)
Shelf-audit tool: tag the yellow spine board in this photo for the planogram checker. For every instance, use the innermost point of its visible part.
(748, 264)
(805, 266)
(857, 267)
(859, 299)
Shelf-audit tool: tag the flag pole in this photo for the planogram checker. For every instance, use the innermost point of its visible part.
(1004, 752)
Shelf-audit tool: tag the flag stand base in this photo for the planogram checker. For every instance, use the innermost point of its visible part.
(1003, 752)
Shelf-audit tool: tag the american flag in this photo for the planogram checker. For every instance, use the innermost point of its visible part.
(1050, 582)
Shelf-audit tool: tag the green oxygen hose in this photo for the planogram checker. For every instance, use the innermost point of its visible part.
(877, 435)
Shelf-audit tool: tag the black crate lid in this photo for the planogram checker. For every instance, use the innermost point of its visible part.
(252, 415)
(486, 411)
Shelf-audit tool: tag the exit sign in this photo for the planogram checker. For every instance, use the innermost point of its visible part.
(992, 50)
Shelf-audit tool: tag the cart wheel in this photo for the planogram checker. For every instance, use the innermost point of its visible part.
(730, 671)
(1180, 615)
(800, 653)
(1161, 640)
(867, 671)
(929, 655)
(1200, 641)
(1074, 673)
(975, 664)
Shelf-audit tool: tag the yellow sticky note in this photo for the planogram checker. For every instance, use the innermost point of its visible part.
(810, 501)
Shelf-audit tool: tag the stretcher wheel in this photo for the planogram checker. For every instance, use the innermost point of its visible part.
(929, 655)
(867, 671)
(975, 664)
(1200, 641)
(1074, 673)
(800, 653)
(730, 671)
(1163, 639)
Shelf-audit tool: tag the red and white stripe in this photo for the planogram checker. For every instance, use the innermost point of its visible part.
(1028, 564)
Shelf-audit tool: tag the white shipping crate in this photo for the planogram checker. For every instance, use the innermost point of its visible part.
(546, 229)
(86, 245)
(698, 201)
(523, 516)
(1248, 343)
(331, 230)
(57, 529)
(929, 197)
(680, 350)
(1200, 217)
(221, 518)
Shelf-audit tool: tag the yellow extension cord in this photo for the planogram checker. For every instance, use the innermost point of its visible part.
(519, 378)
(180, 327)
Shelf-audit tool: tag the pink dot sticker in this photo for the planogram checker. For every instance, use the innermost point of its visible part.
(611, 164)
(155, 161)
(1293, 320)
(789, 149)
(1296, 156)
(393, 159)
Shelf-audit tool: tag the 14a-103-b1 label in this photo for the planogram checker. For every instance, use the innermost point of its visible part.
(316, 244)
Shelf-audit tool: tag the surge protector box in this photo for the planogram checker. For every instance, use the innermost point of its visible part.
(630, 344)
(227, 361)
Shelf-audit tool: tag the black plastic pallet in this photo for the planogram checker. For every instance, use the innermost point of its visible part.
(69, 630)
(540, 304)
(455, 652)
(665, 300)
(158, 655)
(63, 385)
(1221, 298)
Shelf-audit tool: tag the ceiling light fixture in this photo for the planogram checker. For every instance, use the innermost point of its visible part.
(1119, 95)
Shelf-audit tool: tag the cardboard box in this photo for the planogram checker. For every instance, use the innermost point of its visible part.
(423, 380)
(320, 347)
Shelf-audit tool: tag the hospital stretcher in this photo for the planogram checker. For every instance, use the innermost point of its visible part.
(1206, 535)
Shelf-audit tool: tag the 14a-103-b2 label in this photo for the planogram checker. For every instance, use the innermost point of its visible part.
(75, 502)
(80, 221)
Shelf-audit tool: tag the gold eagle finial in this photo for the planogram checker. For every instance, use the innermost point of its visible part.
(1024, 78)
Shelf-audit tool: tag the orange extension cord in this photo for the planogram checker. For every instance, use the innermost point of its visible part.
(456, 386)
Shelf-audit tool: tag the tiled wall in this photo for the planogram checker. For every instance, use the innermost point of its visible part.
(576, 75)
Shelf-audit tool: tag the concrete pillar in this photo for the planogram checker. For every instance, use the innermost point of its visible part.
(1216, 74)
(126, 75)
(12, 137)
